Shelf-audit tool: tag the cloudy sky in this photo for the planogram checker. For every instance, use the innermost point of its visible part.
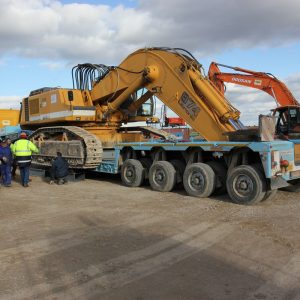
(40, 40)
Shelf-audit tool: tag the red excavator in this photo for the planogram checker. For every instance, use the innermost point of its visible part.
(287, 106)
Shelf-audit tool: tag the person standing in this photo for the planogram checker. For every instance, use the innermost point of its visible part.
(6, 162)
(22, 150)
(0, 162)
(14, 163)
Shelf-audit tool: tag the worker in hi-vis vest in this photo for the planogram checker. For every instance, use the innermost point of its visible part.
(22, 150)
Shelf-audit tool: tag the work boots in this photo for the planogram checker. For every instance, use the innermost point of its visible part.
(62, 181)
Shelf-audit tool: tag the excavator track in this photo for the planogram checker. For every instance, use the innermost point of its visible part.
(82, 150)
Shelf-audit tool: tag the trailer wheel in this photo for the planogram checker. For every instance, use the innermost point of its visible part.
(220, 173)
(162, 176)
(132, 173)
(199, 180)
(179, 168)
(246, 185)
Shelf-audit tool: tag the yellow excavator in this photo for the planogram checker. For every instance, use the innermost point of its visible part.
(82, 121)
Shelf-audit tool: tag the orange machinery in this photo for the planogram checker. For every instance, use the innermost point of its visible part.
(258, 80)
(287, 105)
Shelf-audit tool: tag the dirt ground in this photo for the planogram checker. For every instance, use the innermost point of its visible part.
(97, 239)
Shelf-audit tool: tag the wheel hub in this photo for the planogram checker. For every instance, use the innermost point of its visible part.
(197, 181)
(159, 176)
(129, 173)
(243, 185)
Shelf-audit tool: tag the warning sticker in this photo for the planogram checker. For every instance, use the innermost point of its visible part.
(257, 82)
(5, 122)
(189, 105)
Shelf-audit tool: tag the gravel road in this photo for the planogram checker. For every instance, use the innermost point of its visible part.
(96, 239)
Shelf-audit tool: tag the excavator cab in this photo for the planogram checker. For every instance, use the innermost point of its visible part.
(288, 127)
(288, 121)
(146, 109)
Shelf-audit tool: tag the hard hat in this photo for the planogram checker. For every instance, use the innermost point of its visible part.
(23, 135)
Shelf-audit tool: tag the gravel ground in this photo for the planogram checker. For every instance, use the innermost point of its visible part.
(96, 239)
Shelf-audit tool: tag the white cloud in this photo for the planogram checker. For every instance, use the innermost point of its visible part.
(293, 83)
(212, 25)
(74, 32)
(251, 103)
(8, 102)
(51, 65)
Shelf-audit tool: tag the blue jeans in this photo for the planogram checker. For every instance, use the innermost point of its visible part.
(24, 172)
(6, 174)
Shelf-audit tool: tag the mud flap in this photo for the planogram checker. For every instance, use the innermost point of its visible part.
(278, 182)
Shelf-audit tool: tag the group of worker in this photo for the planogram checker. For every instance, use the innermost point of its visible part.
(19, 154)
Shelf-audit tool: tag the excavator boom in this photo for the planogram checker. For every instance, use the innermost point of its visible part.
(176, 79)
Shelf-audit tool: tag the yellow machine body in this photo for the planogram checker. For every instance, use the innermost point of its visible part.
(56, 107)
(52, 106)
(9, 117)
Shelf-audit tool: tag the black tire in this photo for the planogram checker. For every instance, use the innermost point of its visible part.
(246, 185)
(220, 173)
(132, 173)
(162, 176)
(294, 186)
(270, 194)
(146, 163)
(199, 180)
(179, 168)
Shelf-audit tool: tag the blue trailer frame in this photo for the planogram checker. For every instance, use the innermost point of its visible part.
(271, 155)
